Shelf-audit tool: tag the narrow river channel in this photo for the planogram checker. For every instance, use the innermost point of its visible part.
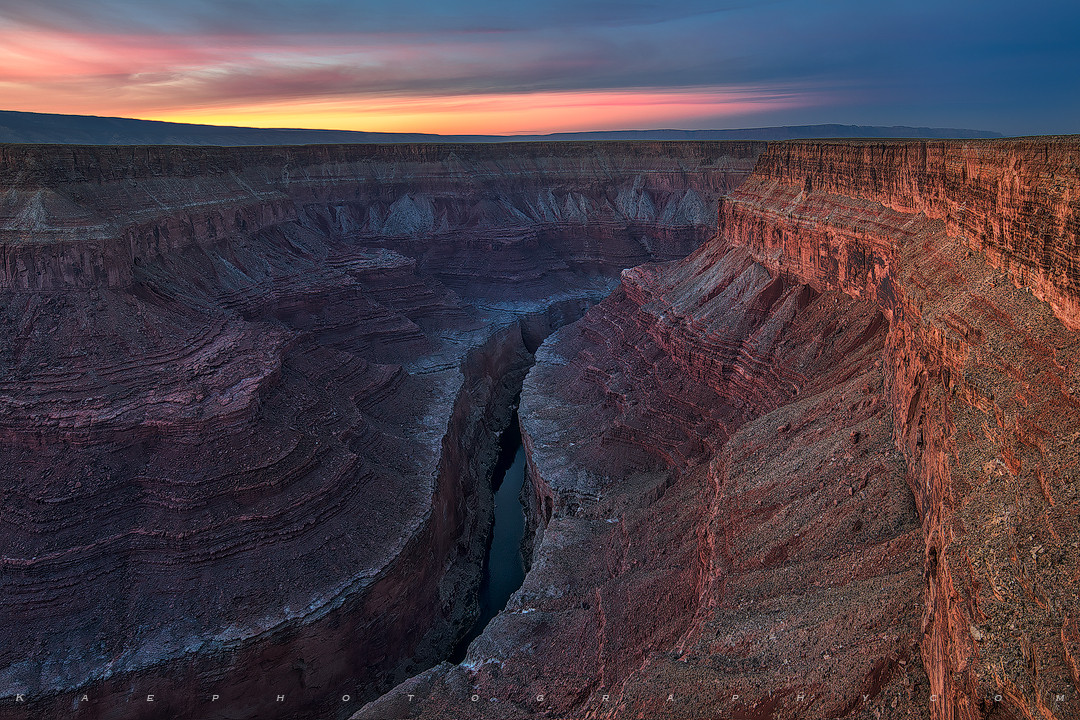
(504, 570)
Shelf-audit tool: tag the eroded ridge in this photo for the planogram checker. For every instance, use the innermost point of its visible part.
(160, 445)
(75, 216)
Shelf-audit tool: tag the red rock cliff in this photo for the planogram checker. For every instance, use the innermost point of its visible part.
(957, 243)
(1016, 201)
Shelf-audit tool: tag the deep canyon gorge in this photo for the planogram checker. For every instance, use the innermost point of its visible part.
(801, 424)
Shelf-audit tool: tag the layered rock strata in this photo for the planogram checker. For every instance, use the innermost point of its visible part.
(973, 259)
(717, 510)
(250, 397)
(822, 468)
(75, 216)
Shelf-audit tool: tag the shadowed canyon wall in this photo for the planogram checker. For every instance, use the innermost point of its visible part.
(823, 467)
(250, 398)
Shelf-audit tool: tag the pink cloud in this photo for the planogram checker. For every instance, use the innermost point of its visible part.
(490, 82)
(33, 55)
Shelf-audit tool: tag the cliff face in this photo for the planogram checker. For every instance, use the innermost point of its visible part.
(823, 467)
(981, 376)
(251, 397)
(722, 527)
(1016, 202)
(65, 208)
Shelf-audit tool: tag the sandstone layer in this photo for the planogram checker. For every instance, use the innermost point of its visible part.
(824, 467)
(250, 397)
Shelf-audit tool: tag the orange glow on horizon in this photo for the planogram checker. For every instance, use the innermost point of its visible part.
(504, 114)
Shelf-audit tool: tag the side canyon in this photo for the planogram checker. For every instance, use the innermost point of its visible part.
(801, 423)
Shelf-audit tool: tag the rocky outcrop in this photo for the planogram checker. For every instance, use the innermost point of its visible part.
(824, 467)
(250, 397)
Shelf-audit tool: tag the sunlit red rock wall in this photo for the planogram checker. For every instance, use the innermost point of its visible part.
(1017, 201)
(970, 249)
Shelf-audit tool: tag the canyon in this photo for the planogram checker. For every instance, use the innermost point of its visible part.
(823, 467)
(801, 426)
(251, 397)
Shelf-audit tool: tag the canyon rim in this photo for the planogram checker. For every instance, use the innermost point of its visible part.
(801, 423)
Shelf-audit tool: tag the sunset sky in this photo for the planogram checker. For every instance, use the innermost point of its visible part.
(507, 67)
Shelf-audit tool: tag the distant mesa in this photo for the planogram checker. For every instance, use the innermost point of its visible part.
(26, 127)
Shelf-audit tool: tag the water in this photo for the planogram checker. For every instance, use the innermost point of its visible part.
(504, 570)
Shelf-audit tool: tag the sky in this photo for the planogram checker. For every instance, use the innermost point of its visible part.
(504, 67)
